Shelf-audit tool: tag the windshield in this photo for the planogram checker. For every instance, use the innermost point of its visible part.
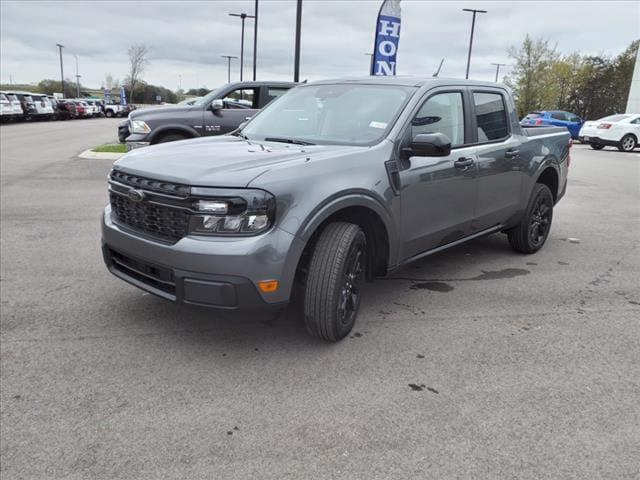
(342, 114)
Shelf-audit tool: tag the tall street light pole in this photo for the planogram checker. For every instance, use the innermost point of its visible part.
(60, 47)
(243, 17)
(473, 25)
(498, 65)
(296, 66)
(77, 79)
(255, 39)
(228, 57)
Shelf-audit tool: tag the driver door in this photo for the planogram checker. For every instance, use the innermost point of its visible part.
(437, 194)
(238, 105)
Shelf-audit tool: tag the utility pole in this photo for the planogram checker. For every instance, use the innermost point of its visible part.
(296, 66)
(370, 62)
(228, 57)
(243, 17)
(77, 79)
(255, 39)
(498, 65)
(473, 25)
(60, 47)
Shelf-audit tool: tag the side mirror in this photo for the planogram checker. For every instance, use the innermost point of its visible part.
(430, 145)
(217, 104)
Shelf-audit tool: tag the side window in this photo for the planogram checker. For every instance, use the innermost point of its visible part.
(241, 98)
(558, 116)
(491, 116)
(273, 93)
(635, 121)
(441, 113)
(574, 118)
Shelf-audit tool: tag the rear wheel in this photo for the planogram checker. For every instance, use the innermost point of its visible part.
(596, 146)
(532, 231)
(333, 287)
(627, 143)
(109, 113)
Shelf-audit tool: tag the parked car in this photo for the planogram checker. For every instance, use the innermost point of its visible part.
(6, 110)
(16, 107)
(219, 112)
(27, 104)
(81, 109)
(621, 130)
(96, 109)
(44, 109)
(66, 109)
(115, 110)
(557, 118)
(334, 183)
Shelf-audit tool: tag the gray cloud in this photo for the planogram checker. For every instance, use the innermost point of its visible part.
(187, 38)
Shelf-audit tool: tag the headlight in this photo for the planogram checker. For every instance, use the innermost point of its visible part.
(138, 126)
(244, 212)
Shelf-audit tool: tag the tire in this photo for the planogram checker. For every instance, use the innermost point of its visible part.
(336, 271)
(627, 143)
(531, 233)
(109, 113)
(596, 146)
(173, 137)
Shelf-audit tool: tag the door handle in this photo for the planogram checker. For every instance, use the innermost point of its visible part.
(463, 162)
(511, 153)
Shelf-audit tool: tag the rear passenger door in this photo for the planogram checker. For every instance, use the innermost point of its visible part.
(501, 165)
(269, 94)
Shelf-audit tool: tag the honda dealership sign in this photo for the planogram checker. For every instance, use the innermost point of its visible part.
(387, 39)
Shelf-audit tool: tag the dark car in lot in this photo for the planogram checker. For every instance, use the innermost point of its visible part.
(556, 118)
(219, 112)
(334, 183)
(66, 109)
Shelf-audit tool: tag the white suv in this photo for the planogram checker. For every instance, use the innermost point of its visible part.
(622, 131)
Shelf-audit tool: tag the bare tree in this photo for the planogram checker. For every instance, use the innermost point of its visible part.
(138, 60)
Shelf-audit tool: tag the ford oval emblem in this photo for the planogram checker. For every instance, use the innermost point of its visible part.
(135, 195)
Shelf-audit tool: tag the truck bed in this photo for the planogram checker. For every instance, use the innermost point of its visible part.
(537, 131)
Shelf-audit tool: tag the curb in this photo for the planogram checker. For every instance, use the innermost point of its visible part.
(100, 155)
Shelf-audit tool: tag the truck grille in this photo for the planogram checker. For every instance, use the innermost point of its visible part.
(150, 184)
(160, 221)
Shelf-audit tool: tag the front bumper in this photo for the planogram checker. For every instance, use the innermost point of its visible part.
(216, 272)
(137, 140)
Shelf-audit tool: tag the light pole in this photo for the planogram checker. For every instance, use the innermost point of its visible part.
(473, 25)
(296, 66)
(243, 16)
(255, 39)
(77, 79)
(370, 62)
(60, 47)
(228, 57)
(498, 65)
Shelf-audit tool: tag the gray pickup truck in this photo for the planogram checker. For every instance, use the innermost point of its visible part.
(334, 183)
(219, 112)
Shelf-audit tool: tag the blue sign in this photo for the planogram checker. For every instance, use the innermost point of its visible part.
(387, 39)
(123, 96)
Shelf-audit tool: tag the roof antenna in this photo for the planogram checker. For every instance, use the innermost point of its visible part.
(439, 67)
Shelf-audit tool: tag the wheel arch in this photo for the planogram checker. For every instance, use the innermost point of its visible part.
(173, 129)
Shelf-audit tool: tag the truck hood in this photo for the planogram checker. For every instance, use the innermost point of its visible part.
(171, 110)
(224, 161)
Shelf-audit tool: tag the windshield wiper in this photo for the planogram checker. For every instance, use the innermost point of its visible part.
(287, 140)
(239, 133)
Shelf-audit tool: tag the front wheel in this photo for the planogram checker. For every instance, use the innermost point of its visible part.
(333, 287)
(596, 146)
(109, 113)
(627, 143)
(532, 231)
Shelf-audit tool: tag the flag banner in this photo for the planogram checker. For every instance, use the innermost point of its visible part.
(387, 38)
(123, 96)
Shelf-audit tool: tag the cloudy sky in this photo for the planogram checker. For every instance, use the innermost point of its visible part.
(188, 38)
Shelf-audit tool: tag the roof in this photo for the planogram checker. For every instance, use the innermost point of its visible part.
(262, 83)
(404, 80)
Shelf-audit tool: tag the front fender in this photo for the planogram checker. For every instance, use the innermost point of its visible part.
(186, 129)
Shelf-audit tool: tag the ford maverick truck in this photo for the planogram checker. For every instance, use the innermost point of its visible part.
(334, 183)
(219, 112)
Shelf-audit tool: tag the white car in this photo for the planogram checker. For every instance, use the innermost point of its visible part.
(620, 130)
(43, 106)
(6, 112)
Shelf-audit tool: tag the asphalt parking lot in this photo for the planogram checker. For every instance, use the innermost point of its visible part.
(474, 363)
